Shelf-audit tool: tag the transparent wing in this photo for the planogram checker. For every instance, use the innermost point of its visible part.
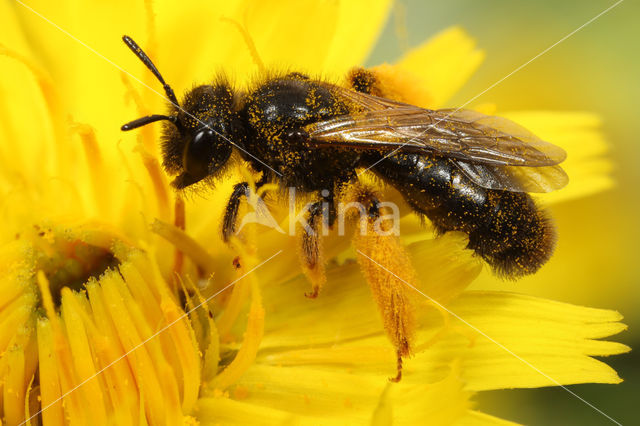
(464, 135)
(511, 178)
(362, 101)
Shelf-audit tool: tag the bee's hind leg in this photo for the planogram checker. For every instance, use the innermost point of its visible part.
(387, 268)
(364, 81)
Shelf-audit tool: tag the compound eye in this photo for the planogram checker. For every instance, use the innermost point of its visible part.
(199, 153)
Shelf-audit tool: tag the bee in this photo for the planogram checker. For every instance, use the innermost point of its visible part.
(462, 170)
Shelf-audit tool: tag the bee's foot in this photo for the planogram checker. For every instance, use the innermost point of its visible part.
(399, 372)
(313, 293)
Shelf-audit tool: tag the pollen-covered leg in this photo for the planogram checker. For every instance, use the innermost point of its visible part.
(364, 81)
(390, 82)
(398, 369)
(388, 271)
(321, 214)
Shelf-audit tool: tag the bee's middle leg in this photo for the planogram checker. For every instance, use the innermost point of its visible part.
(321, 213)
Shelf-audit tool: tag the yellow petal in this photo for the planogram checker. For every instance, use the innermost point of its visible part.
(443, 64)
(197, 40)
(349, 47)
(444, 269)
(309, 396)
(50, 390)
(580, 135)
(87, 87)
(557, 339)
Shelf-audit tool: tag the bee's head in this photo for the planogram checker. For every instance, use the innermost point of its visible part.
(196, 144)
(197, 135)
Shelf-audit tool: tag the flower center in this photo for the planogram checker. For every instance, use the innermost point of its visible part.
(68, 261)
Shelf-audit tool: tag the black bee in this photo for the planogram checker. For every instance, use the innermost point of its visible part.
(463, 170)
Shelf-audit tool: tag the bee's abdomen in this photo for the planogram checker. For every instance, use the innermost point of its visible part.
(505, 228)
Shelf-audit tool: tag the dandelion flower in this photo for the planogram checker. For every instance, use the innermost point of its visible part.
(119, 303)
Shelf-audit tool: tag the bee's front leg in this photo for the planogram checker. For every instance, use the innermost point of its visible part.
(231, 211)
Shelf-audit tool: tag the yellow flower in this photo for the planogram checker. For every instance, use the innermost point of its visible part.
(110, 313)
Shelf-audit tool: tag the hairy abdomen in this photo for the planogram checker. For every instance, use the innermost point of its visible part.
(505, 228)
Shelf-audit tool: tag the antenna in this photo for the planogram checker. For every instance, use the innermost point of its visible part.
(143, 121)
(147, 62)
